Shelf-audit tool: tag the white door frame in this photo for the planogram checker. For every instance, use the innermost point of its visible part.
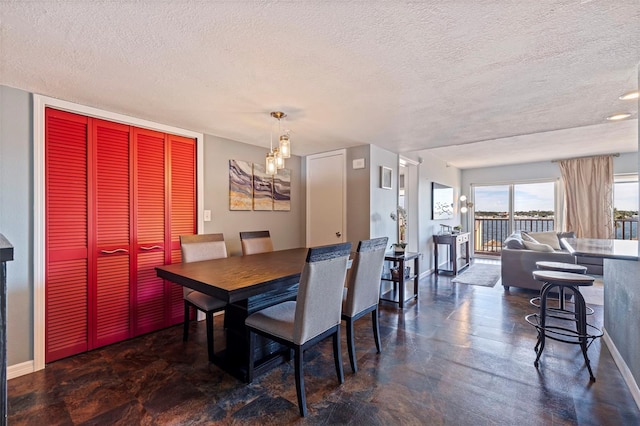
(39, 104)
(342, 152)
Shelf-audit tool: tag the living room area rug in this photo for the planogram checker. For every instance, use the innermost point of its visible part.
(483, 274)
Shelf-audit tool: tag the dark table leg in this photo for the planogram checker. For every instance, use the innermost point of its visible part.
(401, 283)
(416, 264)
(454, 256)
(267, 353)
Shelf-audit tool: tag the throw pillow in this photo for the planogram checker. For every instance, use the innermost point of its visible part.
(527, 237)
(550, 238)
(513, 242)
(538, 247)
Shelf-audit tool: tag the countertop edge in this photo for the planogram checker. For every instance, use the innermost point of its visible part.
(567, 242)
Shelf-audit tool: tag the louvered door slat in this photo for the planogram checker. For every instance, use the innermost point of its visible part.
(111, 307)
(150, 190)
(113, 300)
(182, 212)
(66, 234)
(176, 303)
(150, 294)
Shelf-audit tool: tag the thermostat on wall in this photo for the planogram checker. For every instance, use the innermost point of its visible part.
(358, 163)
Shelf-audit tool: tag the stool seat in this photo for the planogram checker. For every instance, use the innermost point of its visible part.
(562, 267)
(563, 278)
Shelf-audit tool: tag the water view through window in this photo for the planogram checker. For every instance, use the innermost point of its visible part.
(501, 208)
(625, 207)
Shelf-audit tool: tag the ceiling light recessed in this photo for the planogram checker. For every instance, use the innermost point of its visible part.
(620, 116)
(630, 95)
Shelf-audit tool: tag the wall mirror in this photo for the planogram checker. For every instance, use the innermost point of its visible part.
(441, 201)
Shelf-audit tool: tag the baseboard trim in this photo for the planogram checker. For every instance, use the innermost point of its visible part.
(622, 366)
(21, 369)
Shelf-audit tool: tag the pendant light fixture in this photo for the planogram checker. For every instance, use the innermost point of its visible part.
(275, 156)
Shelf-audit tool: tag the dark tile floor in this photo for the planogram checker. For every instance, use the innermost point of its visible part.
(462, 355)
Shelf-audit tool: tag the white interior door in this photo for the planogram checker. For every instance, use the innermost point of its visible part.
(326, 198)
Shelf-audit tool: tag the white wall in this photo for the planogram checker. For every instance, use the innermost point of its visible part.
(383, 201)
(16, 218)
(287, 228)
(358, 197)
(431, 170)
(625, 163)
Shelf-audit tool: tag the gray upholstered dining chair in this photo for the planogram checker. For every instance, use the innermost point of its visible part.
(254, 242)
(363, 291)
(314, 315)
(197, 248)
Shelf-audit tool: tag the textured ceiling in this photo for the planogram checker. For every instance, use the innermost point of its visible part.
(490, 78)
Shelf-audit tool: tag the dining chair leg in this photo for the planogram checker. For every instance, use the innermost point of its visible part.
(351, 346)
(376, 329)
(209, 320)
(187, 312)
(302, 400)
(252, 344)
(337, 355)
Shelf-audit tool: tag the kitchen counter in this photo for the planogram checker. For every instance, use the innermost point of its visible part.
(603, 248)
(621, 301)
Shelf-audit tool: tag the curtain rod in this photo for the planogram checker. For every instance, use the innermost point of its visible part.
(616, 154)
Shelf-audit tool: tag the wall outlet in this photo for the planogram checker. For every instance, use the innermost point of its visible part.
(207, 215)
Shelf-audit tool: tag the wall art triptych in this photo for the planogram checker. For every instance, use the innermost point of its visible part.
(250, 188)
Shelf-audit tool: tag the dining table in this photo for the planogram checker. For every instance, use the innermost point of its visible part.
(248, 284)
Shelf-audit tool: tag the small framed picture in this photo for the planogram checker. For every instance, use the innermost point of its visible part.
(385, 177)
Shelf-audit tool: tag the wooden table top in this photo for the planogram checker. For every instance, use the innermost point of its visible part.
(238, 277)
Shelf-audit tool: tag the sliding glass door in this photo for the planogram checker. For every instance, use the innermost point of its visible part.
(501, 209)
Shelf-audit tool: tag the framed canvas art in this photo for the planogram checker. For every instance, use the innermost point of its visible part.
(262, 188)
(282, 190)
(240, 185)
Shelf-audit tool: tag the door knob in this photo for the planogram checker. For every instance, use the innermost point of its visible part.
(338, 234)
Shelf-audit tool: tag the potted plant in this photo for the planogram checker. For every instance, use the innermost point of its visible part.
(398, 248)
(457, 229)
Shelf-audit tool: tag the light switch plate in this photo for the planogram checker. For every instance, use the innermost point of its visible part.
(207, 215)
(358, 163)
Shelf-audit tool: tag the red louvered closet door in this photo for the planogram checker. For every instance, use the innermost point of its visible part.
(66, 242)
(109, 317)
(182, 212)
(149, 229)
(117, 199)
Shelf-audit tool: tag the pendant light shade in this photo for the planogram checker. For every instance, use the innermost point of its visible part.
(270, 165)
(275, 157)
(285, 147)
(279, 159)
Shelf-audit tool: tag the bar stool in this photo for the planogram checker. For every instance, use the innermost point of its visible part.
(560, 267)
(584, 333)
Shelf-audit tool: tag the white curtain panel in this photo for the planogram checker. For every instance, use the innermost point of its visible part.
(588, 196)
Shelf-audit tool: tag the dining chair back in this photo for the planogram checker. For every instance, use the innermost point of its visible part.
(254, 242)
(314, 315)
(363, 290)
(196, 248)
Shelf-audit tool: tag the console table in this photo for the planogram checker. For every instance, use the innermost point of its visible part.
(457, 259)
(396, 295)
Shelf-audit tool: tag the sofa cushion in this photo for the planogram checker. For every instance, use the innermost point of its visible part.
(549, 238)
(538, 247)
(514, 241)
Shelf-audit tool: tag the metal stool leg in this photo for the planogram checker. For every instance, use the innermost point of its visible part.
(581, 328)
(543, 315)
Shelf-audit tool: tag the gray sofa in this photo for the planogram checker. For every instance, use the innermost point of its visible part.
(518, 262)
